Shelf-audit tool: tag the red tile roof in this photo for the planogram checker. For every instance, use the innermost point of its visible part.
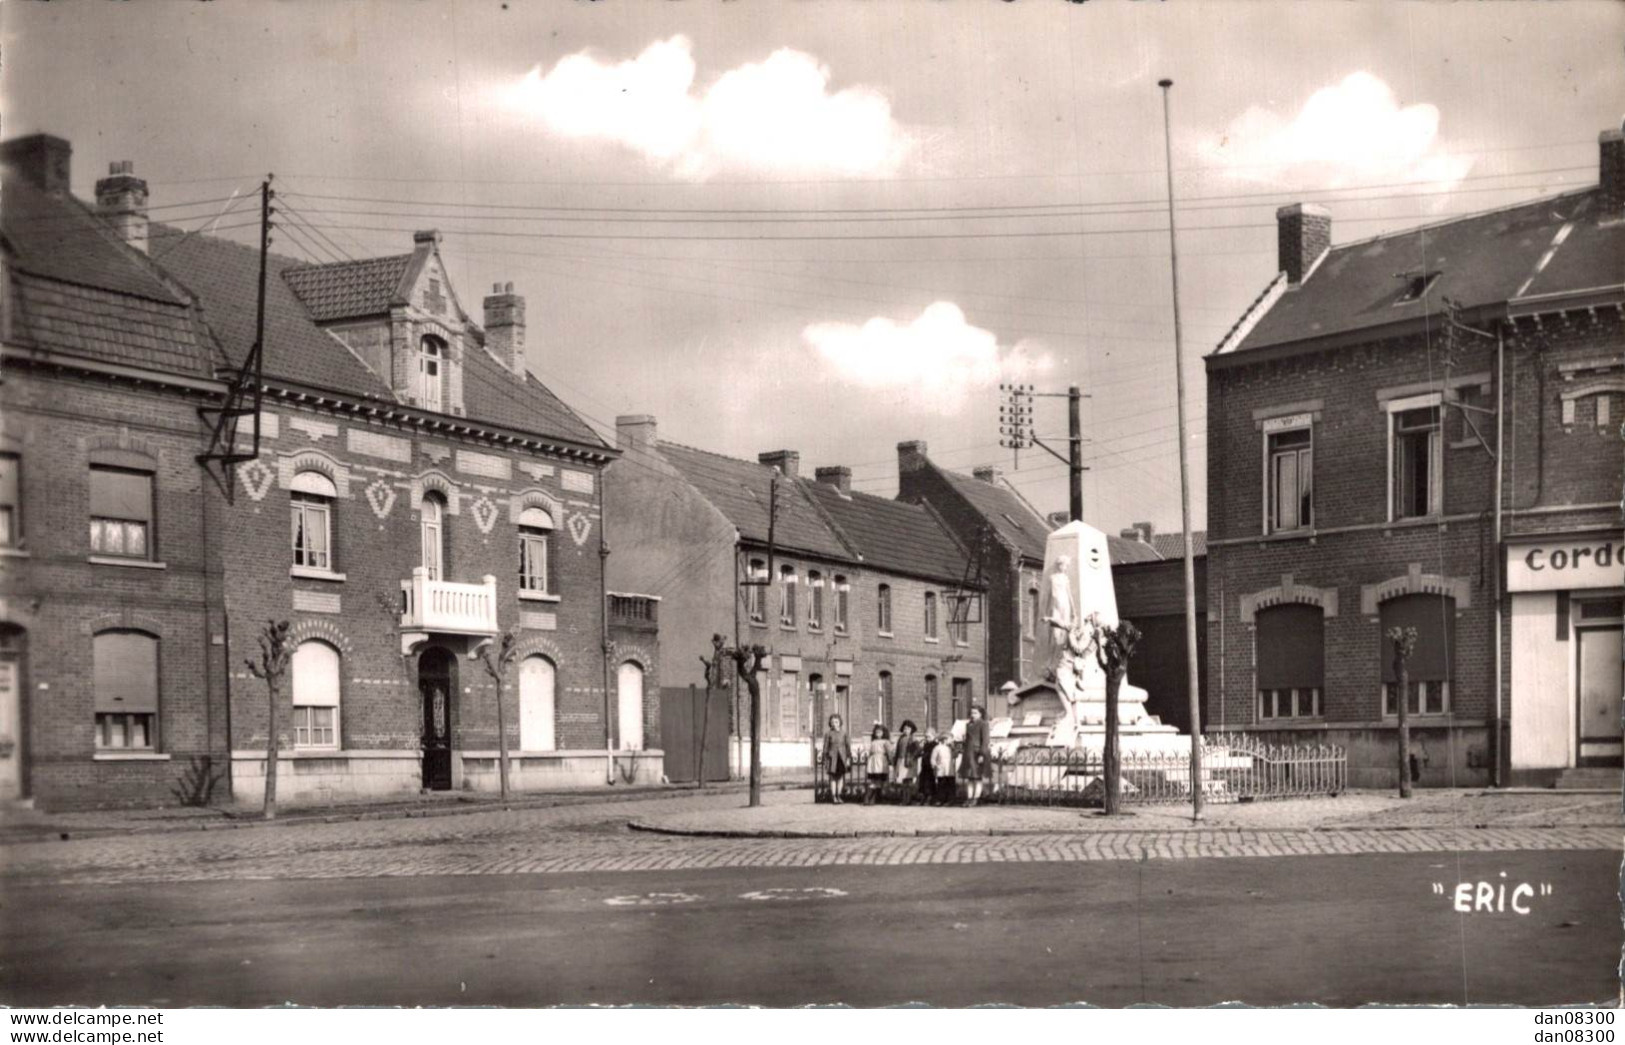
(894, 536)
(76, 288)
(350, 289)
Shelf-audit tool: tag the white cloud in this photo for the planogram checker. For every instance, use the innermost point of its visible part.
(773, 116)
(1351, 132)
(936, 360)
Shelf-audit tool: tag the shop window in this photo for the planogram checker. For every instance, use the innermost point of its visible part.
(125, 677)
(121, 512)
(1434, 618)
(1290, 653)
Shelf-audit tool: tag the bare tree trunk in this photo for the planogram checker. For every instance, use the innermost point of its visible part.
(502, 743)
(271, 746)
(755, 687)
(1111, 760)
(1404, 730)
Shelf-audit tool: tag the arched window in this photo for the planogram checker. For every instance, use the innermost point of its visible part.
(126, 680)
(432, 372)
(1434, 618)
(537, 681)
(787, 596)
(754, 600)
(1291, 658)
(535, 536)
(815, 600)
(629, 705)
(310, 502)
(432, 519)
(883, 609)
(316, 690)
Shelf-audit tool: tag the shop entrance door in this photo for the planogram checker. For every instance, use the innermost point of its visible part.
(1600, 680)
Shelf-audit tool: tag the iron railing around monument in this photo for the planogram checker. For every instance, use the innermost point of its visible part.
(1235, 767)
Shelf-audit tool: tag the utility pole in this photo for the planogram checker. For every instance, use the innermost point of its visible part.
(1016, 433)
(1194, 675)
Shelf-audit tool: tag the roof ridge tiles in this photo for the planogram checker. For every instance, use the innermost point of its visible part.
(1455, 218)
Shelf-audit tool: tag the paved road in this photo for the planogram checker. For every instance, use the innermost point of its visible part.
(1338, 930)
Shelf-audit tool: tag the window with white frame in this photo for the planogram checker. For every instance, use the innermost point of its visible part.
(843, 602)
(535, 535)
(432, 356)
(11, 528)
(1289, 473)
(310, 504)
(883, 609)
(959, 607)
(125, 678)
(755, 597)
(1415, 460)
(316, 692)
(1428, 670)
(930, 614)
(432, 527)
(815, 600)
(787, 596)
(1290, 659)
(120, 512)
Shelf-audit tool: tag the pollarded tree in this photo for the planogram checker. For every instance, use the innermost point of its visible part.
(1114, 648)
(496, 666)
(272, 668)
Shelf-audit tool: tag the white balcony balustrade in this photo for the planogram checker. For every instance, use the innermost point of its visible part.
(430, 606)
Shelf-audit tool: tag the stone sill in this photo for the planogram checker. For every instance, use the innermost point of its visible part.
(886, 634)
(307, 573)
(15, 553)
(932, 641)
(130, 756)
(537, 596)
(301, 753)
(138, 564)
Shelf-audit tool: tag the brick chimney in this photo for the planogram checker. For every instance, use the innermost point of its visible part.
(121, 200)
(43, 159)
(1611, 173)
(911, 456)
(505, 327)
(429, 236)
(838, 476)
(1303, 234)
(988, 473)
(635, 432)
(786, 461)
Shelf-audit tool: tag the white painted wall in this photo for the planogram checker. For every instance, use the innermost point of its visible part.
(1542, 700)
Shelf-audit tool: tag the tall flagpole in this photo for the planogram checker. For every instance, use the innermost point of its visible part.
(1194, 673)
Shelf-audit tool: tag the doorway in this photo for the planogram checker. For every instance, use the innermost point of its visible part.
(13, 778)
(629, 707)
(1598, 682)
(437, 682)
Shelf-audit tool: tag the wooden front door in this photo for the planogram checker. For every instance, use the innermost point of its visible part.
(437, 680)
(11, 729)
(1600, 686)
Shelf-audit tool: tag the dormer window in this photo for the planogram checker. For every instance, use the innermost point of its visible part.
(432, 373)
(1417, 284)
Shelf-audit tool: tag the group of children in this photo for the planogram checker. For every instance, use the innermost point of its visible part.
(925, 768)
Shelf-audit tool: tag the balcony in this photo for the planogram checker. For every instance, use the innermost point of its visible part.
(638, 612)
(430, 607)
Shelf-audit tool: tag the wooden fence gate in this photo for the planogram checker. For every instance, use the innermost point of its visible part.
(694, 734)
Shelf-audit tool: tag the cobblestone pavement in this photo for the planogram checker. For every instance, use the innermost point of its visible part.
(591, 838)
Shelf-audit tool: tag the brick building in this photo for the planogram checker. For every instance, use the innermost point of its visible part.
(110, 556)
(844, 608)
(1005, 537)
(1461, 385)
(1148, 573)
(407, 462)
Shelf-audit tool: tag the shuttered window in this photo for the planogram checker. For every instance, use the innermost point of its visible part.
(1291, 658)
(121, 512)
(125, 677)
(1429, 667)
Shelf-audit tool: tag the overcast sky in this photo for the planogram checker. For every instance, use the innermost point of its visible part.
(979, 185)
